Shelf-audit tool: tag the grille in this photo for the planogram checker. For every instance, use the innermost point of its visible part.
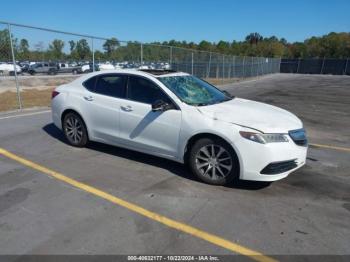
(279, 167)
(298, 136)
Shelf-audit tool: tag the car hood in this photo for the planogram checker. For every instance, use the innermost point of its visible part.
(263, 117)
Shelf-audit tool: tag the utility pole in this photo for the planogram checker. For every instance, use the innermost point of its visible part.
(192, 65)
(93, 55)
(15, 68)
(141, 54)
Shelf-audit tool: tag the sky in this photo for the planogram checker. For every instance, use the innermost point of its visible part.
(190, 20)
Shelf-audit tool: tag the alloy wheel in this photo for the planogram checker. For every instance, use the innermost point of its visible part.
(74, 129)
(214, 161)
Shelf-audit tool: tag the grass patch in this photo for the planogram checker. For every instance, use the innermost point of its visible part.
(30, 98)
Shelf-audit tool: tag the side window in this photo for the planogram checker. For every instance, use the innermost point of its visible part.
(145, 91)
(39, 65)
(90, 84)
(111, 85)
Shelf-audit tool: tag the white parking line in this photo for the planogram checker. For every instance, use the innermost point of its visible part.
(29, 114)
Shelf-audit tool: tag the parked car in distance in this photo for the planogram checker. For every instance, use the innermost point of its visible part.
(87, 68)
(49, 68)
(9, 69)
(105, 66)
(180, 117)
(68, 68)
(24, 66)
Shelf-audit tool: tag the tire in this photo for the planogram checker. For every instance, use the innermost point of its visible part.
(213, 161)
(31, 73)
(75, 130)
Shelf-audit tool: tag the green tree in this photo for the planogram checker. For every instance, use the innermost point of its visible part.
(5, 47)
(23, 52)
(205, 45)
(223, 47)
(71, 45)
(111, 45)
(55, 48)
(253, 38)
(83, 50)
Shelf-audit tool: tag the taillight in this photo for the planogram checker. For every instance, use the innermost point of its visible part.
(54, 94)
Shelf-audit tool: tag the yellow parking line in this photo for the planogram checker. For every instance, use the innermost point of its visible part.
(331, 147)
(216, 240)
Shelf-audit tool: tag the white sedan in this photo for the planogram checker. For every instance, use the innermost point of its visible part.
(183, 118)
(9, 69)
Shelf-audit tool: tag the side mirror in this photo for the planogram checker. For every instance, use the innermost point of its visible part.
(160, 105)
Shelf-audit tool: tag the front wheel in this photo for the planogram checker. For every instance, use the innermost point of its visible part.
(75, 130)
(213, 161)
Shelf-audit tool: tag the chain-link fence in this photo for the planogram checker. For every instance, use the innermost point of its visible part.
(35, 60)
(333, 66)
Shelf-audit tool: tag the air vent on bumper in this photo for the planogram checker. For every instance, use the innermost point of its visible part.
(279, 167)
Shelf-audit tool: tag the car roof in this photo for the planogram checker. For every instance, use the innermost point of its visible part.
(146, 73)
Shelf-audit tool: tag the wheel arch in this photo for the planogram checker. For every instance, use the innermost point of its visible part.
(70, 110)
(196, 137)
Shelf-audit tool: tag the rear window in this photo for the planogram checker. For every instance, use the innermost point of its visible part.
(90, 84)
(111, 85)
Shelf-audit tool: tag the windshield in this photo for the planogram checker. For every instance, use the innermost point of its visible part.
(193, 90)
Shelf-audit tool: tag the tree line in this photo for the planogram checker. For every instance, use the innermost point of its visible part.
(332, 45)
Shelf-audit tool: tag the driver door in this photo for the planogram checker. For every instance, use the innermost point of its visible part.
(143, 129)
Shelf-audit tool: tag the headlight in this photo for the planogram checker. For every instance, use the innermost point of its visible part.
(264, 138)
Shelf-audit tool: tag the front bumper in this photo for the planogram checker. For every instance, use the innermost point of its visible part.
(257, 159)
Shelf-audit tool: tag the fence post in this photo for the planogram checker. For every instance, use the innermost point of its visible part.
(15, 68)
(243, 67)
(279, 68)
(298, 65)
(192, 64)
(322, 66)
(141, 54)
(346, 66)
(229, 71)
(251, 66)
(209, 64)
(223, 68)
(93, 54)
(233, 67)
(171, 57)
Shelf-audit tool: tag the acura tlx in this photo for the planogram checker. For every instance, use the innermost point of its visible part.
(178, 116)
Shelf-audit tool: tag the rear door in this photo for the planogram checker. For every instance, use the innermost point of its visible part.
(101, 105)
(145, 130)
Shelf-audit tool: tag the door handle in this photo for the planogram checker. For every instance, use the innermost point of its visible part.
(88, 98)
(126, 108)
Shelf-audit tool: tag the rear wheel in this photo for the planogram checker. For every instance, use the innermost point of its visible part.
(75, 130)
(213, 161)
